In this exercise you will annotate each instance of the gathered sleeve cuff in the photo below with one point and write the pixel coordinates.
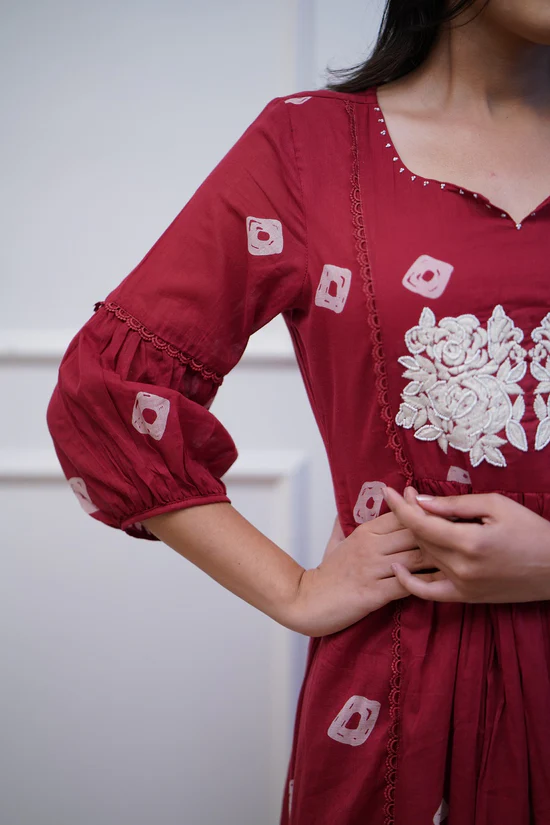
(131, 425)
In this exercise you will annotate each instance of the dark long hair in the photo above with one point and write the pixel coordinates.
(408, 32)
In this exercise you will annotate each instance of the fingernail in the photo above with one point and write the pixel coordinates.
(395, 568)
(385, 490)
(425, 498)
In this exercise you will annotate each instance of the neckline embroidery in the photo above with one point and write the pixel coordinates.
(404, 170)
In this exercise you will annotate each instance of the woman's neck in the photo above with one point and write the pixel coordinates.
(480, 67)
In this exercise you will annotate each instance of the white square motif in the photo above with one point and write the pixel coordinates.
(265, 236)
(333, 288)
(458, 474)
(442, 813)
(428, 277)
(137, 525)
(369, 502)
(367, 710)
(150, 414)
(78, 486)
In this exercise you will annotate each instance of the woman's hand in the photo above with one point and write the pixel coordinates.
(355, 576)
(336, 537)
(501, 555)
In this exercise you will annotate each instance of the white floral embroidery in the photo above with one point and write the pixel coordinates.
(540, 369)
(461, 379)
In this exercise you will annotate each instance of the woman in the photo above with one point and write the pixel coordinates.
(400, 222)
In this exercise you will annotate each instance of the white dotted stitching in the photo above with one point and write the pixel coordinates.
(427, 182)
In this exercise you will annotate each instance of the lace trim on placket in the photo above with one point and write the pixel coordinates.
(393, 734)
(159, 343)
(395, 444)
(368, 289)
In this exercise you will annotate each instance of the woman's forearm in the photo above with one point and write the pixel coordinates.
(219, 540)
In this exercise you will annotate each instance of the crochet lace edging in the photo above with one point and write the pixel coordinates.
(159, 343)
(368, 289)
(393, 735)
(394, 442)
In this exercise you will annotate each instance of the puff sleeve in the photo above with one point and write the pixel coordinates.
(129, 415)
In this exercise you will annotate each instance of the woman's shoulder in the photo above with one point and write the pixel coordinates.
(323, 97)
(308, 112)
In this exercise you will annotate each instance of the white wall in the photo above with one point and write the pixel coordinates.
(134, 689)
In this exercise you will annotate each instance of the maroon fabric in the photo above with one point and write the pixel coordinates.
(418, 312)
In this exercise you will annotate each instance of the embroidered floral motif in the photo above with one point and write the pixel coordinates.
(462, 378)
(540, 369)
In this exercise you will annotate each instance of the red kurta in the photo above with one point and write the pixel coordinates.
(418, 313)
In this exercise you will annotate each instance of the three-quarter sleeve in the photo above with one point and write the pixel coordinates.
(130, 413)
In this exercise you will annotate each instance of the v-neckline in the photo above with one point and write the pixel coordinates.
(444, 184)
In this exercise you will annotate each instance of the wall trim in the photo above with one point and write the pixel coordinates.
(287, 474)
(270, 345)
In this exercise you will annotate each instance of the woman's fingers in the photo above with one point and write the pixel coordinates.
(381, 525)
(392, 588)
(397, 542)
(469, 507)
(411, 559)
(434, 587)
(430, 528)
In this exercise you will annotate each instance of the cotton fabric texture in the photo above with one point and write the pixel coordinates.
(419, 314)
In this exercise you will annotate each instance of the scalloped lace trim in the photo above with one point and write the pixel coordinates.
(160, 343)
(393, 736)
(368, 289)
(395, 444)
